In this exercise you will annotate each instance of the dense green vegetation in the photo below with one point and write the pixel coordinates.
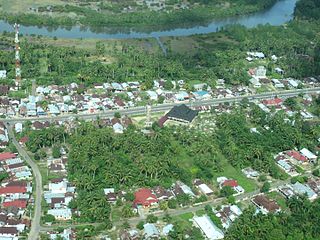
(99, 158)
(218, 55)
(111, 15)
(308, 9)
(301, 223)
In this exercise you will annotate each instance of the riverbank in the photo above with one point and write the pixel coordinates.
(72, 15)
(280, 13)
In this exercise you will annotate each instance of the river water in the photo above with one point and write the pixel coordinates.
(279, 14)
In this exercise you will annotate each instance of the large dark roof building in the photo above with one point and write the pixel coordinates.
(182, 113)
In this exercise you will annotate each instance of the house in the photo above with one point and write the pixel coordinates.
(59, 187)
(250, 173)
(287, 167)
(8, 233)
(302, 189)
(167, 229)
(182, 114)
(309, 155)
(181, 188)
(18, 127)
(16, 203)
(200, 86)
(6, 156)
(296, 157)
(293, 83)
(272, 102)
(224, 182)
(255, 82)
(150, 231)
(204, 188)
(3, 74)
(152, 95)
(208, 228)
(260, 72)
(265, 205)
(65, 235)
(277, 83)
(228, 214)
(118, 128)
(61, 213)
(286, 191)
(12, 190)
(162, 194)
(145, 198)
(181, 96)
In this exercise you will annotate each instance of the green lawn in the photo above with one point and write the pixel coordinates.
(183, 220)
(116, 214)
(279, 198)
(200, 212)
(230, 172)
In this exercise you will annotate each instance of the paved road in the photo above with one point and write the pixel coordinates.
(35, 224)
(166, 107)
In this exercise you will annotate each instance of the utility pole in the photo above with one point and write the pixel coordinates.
(148, 117)
(17, 55)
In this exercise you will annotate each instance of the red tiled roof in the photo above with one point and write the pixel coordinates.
(230, 183)
(24, 139)
(7, 155)
(17, 184)
(296, 155)
(144, 197)
(272, 102)
(16, 203)
(15, 189)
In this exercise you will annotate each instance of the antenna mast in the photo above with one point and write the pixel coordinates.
(17, 55)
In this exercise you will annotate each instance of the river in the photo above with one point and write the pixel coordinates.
(278, 14)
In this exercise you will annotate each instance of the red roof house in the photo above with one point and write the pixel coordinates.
(230, 183)
(297, 156)
(272, 102)
(23, 140)
(145, 198)
(7, 155)
(12, 190)
(15, 203)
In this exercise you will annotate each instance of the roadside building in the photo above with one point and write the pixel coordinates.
(208, 228)
(265, 205)
(182, 114)
(302, 189)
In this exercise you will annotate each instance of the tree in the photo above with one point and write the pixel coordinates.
(117, 115)
(167, 218)
(168, 85)
(56, 152)
(48, 218)
(265, 187)
(163, 206)
(172, 203)
(127, 211)
(226, 191)
(152, 218)
(140, 225)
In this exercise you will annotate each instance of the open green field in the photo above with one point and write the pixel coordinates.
(22, 6)
(147, 44)
(230, 172)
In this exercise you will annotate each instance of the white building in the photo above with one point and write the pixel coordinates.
(3, 74)
(311, 157)
(211, 231)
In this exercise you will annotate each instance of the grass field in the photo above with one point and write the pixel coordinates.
(279, 198)
(22, 6)
(147, 44)
(230, 172)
